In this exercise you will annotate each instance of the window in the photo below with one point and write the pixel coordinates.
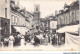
(12, 19)
(73, 16)
(6, 12)
(16, 20)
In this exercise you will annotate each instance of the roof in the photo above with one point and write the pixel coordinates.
(29, 13)
(75, 5)
(16, 11)
(72, 6)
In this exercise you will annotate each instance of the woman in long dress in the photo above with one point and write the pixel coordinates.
(46, 40)
(11, 40)
(22, 41)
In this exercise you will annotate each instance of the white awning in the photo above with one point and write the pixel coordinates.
(72, 40)
(25, 29)
(22, 30)
(72, 28)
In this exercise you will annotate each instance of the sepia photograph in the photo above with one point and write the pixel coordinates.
(39, 25)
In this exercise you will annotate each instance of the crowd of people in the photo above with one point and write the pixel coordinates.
(10, 41)
(36, 39)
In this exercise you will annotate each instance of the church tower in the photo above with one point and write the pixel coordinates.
(36, 16)
(36, 12)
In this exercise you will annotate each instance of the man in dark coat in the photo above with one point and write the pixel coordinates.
(36, 40)
(16, 41)
(53, 40)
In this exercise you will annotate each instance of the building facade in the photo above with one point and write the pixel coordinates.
(5, 17)
(13, 15)
(68, 16)
(5, 9)
(51, 24)
(20, 18)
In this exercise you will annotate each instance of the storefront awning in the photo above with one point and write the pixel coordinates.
(22, 30)
(25, 29)
(73, 28)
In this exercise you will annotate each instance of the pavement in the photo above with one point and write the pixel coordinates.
(30, 47)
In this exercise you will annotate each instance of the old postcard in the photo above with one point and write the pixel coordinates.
(39, 25)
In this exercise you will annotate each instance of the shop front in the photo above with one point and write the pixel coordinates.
(19, 29)
(4, 27)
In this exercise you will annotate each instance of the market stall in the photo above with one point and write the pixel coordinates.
(73, 30)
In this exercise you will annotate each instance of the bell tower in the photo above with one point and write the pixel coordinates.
(36, 12)
(36, 16)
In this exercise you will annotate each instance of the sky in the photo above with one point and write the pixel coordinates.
(47, 7)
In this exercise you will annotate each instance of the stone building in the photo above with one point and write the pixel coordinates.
(14, 16)
(68, 16)
(5, 26)
(36, 19)
(50, 24)
(5, 9)
(5, 18)
(20, 19)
